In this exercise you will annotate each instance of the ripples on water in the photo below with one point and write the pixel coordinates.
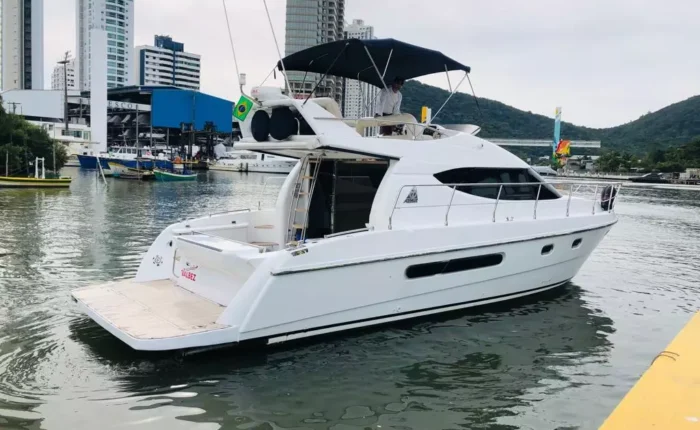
(560, 360)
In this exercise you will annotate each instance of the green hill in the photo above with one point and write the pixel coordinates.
(670, 126)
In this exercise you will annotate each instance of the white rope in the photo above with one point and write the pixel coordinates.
(279, 53)
(230, 38)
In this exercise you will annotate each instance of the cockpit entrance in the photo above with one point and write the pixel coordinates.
(343, 195)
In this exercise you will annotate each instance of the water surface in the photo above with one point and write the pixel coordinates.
(561, 360)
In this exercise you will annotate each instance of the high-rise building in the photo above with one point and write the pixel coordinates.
(116, 18)
(310, 23)
(359, 99)
(167, 63)
(57, 76)
(22, 44)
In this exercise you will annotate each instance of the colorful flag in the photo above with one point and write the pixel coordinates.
(563, 148)
(243, 107)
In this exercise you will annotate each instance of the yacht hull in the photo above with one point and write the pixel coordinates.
(283, 301)
(259, 167)
(90, 162)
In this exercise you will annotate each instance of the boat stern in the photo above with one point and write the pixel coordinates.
(156, 315)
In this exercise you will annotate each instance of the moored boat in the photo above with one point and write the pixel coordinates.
(367, 229)
(123, 172)
(15, 182)
(38, 181)
(165, 176)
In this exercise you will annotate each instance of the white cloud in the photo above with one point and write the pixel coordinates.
(605, 62)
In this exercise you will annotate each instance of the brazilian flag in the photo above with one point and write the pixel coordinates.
(243, 107)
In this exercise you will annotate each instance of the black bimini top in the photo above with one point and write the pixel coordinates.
(349, 59)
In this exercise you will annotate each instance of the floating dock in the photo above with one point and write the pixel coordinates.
(667, 396)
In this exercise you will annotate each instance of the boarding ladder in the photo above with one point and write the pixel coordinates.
(303, 190)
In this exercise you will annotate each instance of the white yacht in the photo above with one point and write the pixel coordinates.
(365, 230)
(249, 161)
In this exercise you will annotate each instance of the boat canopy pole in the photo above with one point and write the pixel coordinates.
(450, 96)
(387, 63)
(364, 107)
(325, 74)
(377, 68)
(306, 73)
(448, 77)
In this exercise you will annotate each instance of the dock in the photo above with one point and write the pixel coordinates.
(667, 396)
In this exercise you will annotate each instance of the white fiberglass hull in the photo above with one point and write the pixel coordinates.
(290, 294)
(283, 167)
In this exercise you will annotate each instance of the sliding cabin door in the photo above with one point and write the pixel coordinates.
(343, 196)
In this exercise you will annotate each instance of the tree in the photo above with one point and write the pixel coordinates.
(21, 142)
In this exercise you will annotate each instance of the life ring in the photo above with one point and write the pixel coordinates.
(607, 197)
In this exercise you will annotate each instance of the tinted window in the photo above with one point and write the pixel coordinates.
(453, 266)
(478, 175)
(547, 249)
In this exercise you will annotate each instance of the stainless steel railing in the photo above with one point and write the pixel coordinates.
(268, 180)
(573, 188)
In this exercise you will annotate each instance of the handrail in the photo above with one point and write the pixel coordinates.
(260, 248)
(380, 121)
(231, 211)
(342, 233)
(262, 192)
(573, 187)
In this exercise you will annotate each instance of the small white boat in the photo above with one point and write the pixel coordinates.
(366, 230)
(545, 171)
(249, 161)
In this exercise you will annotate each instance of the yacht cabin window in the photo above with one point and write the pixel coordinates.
(497, 176)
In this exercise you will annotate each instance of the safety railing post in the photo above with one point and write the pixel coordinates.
(495, 206)
(534, 215)
(595, 199)
(447, 213)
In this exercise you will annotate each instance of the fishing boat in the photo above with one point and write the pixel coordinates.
(367, 229)
(165, 176)
(123, 172)
(128, 156)
(38, 181)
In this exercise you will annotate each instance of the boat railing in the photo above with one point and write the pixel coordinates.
(268, 180)
(411, 133)
(568, 190)
(230, 211)
(260, 248)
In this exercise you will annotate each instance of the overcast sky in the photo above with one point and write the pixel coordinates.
(605, 62)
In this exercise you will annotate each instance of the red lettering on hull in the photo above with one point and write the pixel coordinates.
(189, 275)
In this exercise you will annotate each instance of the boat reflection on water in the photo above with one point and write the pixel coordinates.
(459, 365)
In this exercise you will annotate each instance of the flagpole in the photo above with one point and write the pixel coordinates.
(557, 131)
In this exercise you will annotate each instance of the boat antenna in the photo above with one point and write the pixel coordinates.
(230, 38)
(279, 53)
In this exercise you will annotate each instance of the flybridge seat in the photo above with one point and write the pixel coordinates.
(413, 129)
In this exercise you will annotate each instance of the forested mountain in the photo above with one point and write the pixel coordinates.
(673, 125)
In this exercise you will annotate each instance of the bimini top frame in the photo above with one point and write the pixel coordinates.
(362, 60)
